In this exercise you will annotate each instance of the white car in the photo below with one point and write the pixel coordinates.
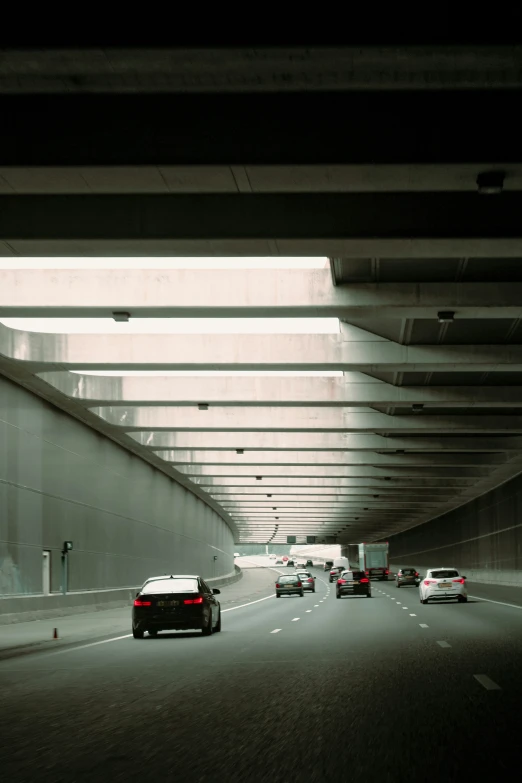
(301, 564)
(443, 584)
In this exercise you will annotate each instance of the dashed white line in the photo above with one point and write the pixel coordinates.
(405, 607)
(423, 625)
(487, 682)
(295, 619)
(308, 610)
(413, 615)
(316, 606)
(443, 644)
(398, 602)
(276, 630)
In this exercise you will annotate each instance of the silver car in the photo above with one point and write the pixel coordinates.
(307, 580)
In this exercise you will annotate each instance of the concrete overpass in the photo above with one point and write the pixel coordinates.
(414, 207)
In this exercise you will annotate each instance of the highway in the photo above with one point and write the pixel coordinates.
(295, 689)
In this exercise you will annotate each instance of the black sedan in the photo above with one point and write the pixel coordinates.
(176, 603)
(353, 583)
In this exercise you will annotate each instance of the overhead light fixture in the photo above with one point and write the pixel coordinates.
(446, 317)
(277, 517)
(240, 451)
(399, 451)
(259, 478)
(269, 496)
(274, 508)
(203, 406)
(365, 509)
(417, 407)
(387, 478)
(376, 496)
(121, 315)
(490, 182)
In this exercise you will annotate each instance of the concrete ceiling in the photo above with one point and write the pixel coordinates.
(426, 416)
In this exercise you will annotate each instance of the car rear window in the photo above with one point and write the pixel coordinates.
(408, 571)
(287, 579)
(353, 574)
(171, 586)
(447, 574)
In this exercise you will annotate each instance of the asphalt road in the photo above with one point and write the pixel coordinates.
(296, 689)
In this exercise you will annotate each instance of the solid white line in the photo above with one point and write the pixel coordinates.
(413, 615)
(276, 630)
(295, 619)
(423, 625)
(232, 608)
(487, 682)
(443, 644)
(92, 644)
(501, 603)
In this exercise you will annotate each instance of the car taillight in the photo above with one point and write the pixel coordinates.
(460, 581)
(416, 573)
(142, 603)
(341, 581)
(299, 584)
(386, 571)
(198, 600)
(430, 582)
(310, 580)
(278, 585)
(364, 581)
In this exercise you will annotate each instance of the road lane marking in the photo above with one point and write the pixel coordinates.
(489, 601)
(443, 644)
(405, 607)
(413, 615)
(423, 625)
(308, 610)
(487, 682)
(276, 630)
(295, 619)
(92, 644)
(232, 608)
(316, 606)
(398, 602)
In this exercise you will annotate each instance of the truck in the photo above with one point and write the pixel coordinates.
(373, 559)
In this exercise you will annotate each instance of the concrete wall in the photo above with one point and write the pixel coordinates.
(60, 480)
(483, 538)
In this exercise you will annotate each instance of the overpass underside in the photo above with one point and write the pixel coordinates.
(406, 408)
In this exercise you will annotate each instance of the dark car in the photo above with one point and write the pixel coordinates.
(309, 563)
(290, 563)
(307, 579)
(334, 573)
(328, 564)
(353, 583)
(288, 585)
(407, 576)
(176, 603)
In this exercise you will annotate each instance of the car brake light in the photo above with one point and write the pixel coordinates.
(430, 582)
(142, 603)
(299, 584)
(341, 581)
(364, 581)
(416, 573)
(386, 571)
(460, 581)
(278, 585)
(310, 580)
(198, 600)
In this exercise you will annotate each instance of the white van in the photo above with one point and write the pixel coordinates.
(341, 562)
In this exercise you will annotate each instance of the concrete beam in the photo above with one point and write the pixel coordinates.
(302, 419)
(324, 494)
(376, 483)
(257, 391)
(327, 459)
(247, 293)
(44, 352)
(321, 441)
(433, 126)
(270, 471)
(323, 499)
(261, 70)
